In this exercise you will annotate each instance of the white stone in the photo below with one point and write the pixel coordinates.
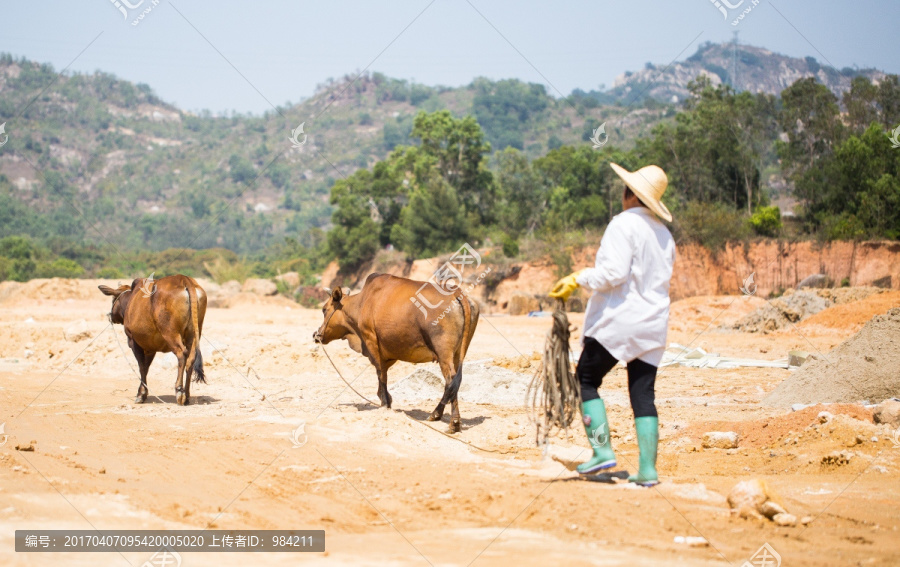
(720, 440)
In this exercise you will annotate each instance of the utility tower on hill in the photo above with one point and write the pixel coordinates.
(734, 76)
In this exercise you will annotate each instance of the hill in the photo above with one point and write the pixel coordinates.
(97, 160)
(743, 67)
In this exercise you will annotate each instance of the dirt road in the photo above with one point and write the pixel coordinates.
(390, 491)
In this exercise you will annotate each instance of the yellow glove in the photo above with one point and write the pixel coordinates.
(565, 287)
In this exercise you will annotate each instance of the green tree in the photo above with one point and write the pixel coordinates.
(242, 170)
(454, 149)
(717, 147)
(810, 119)
(508, 109)
(522, 196)
(432, 222)
(577, 186)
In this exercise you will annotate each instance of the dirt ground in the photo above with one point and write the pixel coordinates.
(390, 491)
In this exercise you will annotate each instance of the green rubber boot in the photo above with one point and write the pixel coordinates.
(597, 428)
(648, 438)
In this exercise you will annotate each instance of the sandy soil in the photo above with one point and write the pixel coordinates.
(390, 491)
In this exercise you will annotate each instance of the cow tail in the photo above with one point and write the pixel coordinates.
(450, 393)
(467, 326)
(195, 357)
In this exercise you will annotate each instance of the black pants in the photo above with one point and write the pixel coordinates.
(595, 362)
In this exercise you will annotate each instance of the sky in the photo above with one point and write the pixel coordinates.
(247, 57)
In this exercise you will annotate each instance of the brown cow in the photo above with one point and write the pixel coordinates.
(165, 315)
(384, 323)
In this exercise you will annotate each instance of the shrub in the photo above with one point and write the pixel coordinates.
(59, 268)
(710, 224)
(766, 221)
(510, 247)
(110, 273)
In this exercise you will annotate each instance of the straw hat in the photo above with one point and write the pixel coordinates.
(648, 184)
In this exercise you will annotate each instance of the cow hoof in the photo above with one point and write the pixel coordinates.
(434, 417)
(454, 427)
(181, 400)
(139, 399)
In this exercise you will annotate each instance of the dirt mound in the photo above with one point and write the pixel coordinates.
(523, 363)
(769, 431)
(854, 314)
(53, 289)
(481, 384)
(864, 367)
(842, 295)
(781, 312)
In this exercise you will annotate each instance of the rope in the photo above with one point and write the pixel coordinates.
(410, 418)
(345, 381)
(554, 396)
(116, 337)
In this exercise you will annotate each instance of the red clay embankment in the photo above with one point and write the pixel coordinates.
(776, 266)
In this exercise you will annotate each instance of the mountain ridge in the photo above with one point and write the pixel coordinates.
(145, 170)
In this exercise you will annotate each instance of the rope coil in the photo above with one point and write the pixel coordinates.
(554, 396)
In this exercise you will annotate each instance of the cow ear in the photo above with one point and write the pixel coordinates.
(108, 290)
(336, 294)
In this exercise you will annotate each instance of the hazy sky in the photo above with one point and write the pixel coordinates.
(229, 55)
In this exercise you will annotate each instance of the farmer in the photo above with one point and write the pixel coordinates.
(627, 316)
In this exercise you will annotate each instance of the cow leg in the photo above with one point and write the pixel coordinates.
(383, 393)
(454, 416)
(180, 352)
(188, 373)
(452, 378)
(144, 359)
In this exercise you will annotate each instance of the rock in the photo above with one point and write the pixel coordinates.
(77, 331)
(291, 279)
(259, 286)
(720, 440)
(748, 496)
(692, 541)
(231, 287)
(771, 509)
(749, 513)
(837, 458)
(522, 304)
(816, 281)
(786, 520)
(752, 493)
(806, 520)
(825, 416)
(888, 412)
(29, 447)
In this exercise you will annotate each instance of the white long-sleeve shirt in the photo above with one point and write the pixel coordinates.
(628, 312)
